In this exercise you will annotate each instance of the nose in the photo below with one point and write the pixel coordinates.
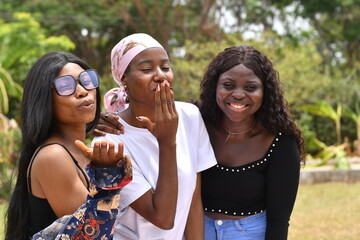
(160, 75)
(238, 93)
(80, 91)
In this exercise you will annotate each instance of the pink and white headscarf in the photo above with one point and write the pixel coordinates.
(114, 100)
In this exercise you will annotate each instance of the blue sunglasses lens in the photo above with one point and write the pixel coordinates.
(89, 79)
(66, 85)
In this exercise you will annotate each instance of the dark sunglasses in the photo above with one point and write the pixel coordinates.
(66, 85)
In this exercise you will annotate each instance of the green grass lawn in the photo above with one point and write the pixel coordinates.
(329, 211)
(3, 207)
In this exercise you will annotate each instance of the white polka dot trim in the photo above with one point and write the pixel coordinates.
(253, 165)
(247, 213)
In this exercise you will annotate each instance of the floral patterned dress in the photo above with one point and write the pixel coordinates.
(95, 219)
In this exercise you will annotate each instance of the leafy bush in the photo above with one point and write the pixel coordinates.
(10, 138)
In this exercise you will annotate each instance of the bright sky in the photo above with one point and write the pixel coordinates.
(299, 24)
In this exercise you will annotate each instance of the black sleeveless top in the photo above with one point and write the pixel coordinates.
(41, 213)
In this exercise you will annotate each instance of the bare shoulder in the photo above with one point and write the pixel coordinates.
(53, 170)
(52, 157)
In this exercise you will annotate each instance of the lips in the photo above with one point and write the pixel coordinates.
(87, 104)
(237, 105)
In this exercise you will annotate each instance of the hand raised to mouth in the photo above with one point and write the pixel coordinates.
(165, 125)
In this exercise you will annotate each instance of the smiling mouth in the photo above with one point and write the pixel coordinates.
(237, 106)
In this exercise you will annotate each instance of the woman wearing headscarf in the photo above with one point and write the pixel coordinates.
(166, 140)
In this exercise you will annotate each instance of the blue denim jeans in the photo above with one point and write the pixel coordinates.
(249, 228)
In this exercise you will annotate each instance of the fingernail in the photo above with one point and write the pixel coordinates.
(139, 118)
(167, 83)
(171, 90)
(158, 88)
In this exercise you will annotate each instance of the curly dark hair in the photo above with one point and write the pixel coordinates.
(273, 114)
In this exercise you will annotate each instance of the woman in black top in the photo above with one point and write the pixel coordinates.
(60, 105)
(251, 192)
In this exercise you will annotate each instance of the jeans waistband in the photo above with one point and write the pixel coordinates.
(245, 220)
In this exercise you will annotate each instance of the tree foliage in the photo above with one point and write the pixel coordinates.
(337, 23)
(96, 26)
(190, 67)
(320, 59)
(22, 42)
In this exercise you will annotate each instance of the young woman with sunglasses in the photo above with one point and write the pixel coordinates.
(60, 105)
(167, 142)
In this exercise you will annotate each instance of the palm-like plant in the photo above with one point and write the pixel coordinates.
(355, 116)
(7, 88)
(336, 152)
(324, 109)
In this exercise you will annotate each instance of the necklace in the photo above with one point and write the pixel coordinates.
(239, 133)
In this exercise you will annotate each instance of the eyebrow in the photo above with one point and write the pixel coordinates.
(232, 80)
(253, 81)
(150, 61)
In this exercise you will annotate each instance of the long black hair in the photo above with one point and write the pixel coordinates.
(274, 113)
(36, 127)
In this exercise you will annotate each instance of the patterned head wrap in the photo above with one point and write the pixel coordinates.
(121, 56)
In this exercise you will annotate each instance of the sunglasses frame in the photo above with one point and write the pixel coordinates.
(77, 79)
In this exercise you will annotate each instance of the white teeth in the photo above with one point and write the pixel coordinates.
(237, 106)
